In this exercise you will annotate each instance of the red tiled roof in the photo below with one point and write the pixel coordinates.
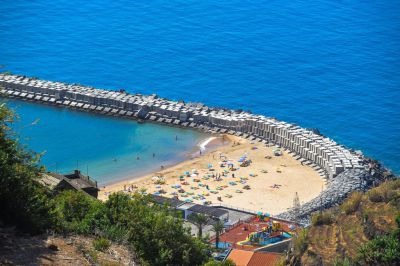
(250, 258)
(240, 257)
(263, 259)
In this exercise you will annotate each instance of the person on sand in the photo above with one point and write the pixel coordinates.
(233, 175)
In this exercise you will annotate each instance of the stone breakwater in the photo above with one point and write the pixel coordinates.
(337, 190)
(342, 167)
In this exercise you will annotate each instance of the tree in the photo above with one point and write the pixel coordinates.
(75, 211)
(227, 262)
(218, 228)
(157, 237)
(24, 202)
(199, 220)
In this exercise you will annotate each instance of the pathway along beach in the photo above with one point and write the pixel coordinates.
(272, 180)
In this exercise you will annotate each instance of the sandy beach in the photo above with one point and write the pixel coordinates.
(261, 181)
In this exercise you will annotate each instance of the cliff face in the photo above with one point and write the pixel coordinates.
(16, 249)
(338, 234)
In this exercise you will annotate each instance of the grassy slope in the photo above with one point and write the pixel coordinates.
(348, 231)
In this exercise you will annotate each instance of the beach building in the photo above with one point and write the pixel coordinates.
(171, 202)
(189, 208)
(212, 212)
(75, 181)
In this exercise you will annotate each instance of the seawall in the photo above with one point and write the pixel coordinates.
(335, 162)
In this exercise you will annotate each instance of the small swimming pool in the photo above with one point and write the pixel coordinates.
(224, 245)
(273, 240)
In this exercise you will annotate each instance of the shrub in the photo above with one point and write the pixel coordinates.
(322, 218)
(375, 195)
(382, 250)
(385, 192)
(24, 202)
(227, 262)
(75, 211)
(300, 242)
(101, 244)
(342, 262)
(394, 184)
(352, 203)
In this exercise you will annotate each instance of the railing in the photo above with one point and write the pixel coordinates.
(250, 212)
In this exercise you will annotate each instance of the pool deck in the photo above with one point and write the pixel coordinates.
(238, 233)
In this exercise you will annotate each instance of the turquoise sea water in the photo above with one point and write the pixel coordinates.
(106, 148)
(331, 65)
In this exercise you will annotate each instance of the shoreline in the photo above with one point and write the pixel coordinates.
(299, 144)
(273, 182)
(210, 143)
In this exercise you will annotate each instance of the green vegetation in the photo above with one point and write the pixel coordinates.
(228, 262)
(300, 242)
(154, 233)
(23, 201)
(385, 192)
(363, 230)
(217, 228)
(199, 220)
(342, 262)
(101, 244)
(352, 203)
(382, 250)
(322, 218)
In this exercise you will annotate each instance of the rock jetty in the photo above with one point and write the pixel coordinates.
(344, 170)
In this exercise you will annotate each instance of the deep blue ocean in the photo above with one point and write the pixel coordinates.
(331, 65)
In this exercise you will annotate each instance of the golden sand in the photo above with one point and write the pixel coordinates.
(273, 180)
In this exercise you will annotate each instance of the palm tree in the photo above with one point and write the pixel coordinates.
(199, 220)
(218, 228)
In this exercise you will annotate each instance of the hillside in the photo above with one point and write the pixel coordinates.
(361, 231)
(18, 249)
